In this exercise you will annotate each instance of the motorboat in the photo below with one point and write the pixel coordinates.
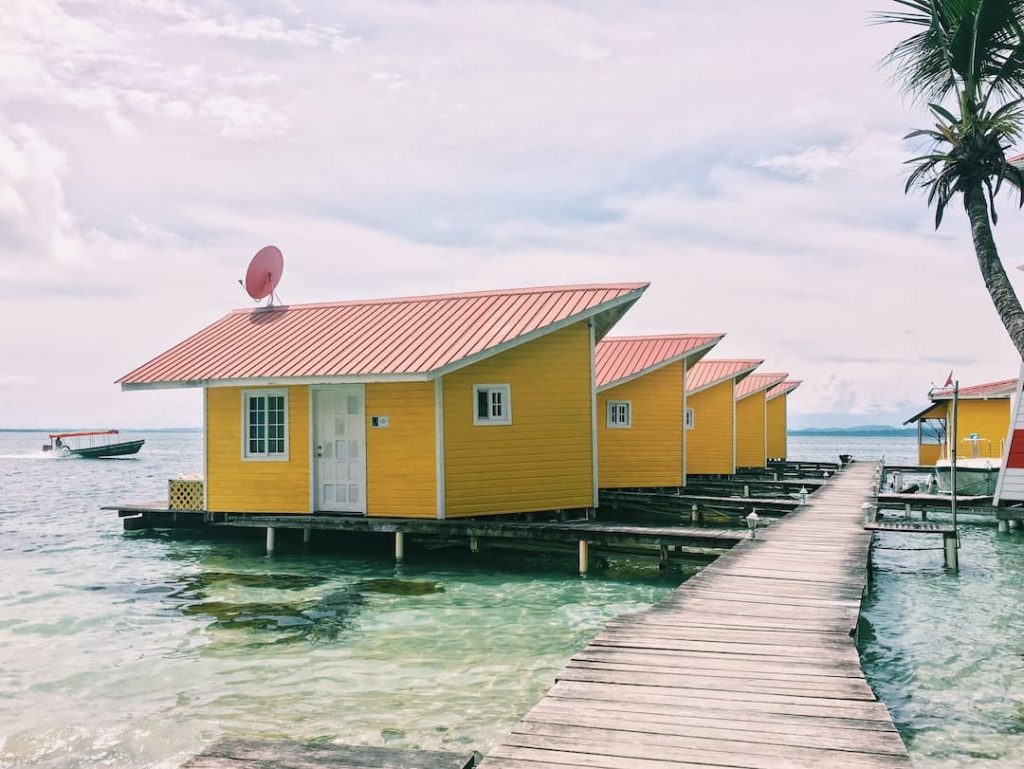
(91, 444)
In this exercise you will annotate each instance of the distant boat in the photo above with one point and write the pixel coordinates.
(74, 444)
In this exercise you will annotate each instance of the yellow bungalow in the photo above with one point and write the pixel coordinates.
(776, 405)
(641, 407)
(983, 422)
(711, 415)
(752, 419)
(432, 407)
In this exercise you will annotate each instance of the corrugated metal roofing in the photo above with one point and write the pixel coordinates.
(414, 337)
(1004, 388)
(783, 388)
(755, 383)
(708, 373)
(618, 359)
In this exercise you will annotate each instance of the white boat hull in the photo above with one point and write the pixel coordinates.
(974, 477)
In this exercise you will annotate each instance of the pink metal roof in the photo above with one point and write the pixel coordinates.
(411, 336)
(1004, 388)
(620, 358)
(783, 388)
(755, 383)
(708, 373)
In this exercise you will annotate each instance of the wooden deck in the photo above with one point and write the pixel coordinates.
(751, 664)
(236, 753)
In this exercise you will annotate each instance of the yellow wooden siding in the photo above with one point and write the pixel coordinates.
(776, 413)
(650, 451)
(401, 477)
(750, 431)
(990, 419)
(928, 454)
(709, 445)
(255, 486)
(544, 459)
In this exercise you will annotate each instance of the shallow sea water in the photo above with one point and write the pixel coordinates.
(944, 651)
(138, 649)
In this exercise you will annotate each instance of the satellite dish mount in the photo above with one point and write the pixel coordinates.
(264, 274)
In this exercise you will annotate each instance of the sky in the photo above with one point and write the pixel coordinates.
(744, 157)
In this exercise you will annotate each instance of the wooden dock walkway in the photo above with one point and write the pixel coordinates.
(751, 664)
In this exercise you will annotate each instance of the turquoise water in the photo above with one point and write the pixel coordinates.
(137, 649)
(945, 651)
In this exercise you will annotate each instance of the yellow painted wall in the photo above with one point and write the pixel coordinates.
(544, 459)
(990, 419)
(750, 431)
(255, 486)
(401, 479)
(776, 411)
(709, 445)
(650, 451)
(928, 454)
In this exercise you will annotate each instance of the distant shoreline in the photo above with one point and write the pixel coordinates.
(856, 432)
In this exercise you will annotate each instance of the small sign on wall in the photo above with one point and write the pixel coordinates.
(379, 421)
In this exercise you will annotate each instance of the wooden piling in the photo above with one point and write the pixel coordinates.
(584, 556)
(270, 540)
(399, 546)
(950, 545)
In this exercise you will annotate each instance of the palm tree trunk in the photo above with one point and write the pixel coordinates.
(996, 281)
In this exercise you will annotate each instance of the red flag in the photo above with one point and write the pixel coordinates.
(949, 379)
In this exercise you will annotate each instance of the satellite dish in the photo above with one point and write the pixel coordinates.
(264, 273)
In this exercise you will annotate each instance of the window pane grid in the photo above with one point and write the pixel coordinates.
(266, 425)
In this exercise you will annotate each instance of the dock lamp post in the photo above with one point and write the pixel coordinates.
(803, 495)
(752, 520)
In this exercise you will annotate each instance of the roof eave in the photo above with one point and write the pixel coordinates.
(736, 378)
(277, 381)
(690, 356)
(606, 314)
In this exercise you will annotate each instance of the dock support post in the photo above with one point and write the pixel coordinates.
(399, 546)
(584, 556)
(1003, 526)
(270, 540)
(746, 490)
(663, 557)
(694, 514)
(474, 545)
(307, 536)
(952, 557)
(1014, 525)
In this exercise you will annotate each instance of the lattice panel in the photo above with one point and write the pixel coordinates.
(185, 494)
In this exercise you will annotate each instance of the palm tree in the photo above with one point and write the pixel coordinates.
(968, 55)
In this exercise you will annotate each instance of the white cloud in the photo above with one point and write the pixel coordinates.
(751, 171)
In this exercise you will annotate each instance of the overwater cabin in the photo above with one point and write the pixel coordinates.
(641, 408)
(711, 415)
(752, 419)
(443, 406)
(983, 422)
(777, 414)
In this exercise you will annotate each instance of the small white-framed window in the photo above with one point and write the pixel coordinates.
(492, 404)
(688, 419)
(620, 413)
(265, 424)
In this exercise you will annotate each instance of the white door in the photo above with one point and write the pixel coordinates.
(340, 448)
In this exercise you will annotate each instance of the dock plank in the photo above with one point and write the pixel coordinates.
(749, 665)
